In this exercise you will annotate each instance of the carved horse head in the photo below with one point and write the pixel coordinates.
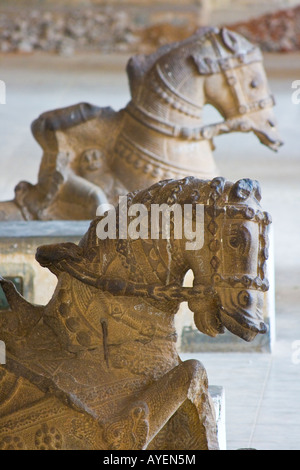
(216, 67)
(229, 269)
(233, 260)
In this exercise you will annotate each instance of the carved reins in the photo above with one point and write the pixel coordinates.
(123, 288)
(207, 132)
(170, 293)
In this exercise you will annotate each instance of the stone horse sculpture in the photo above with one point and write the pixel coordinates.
(97, 368)
(94, 154)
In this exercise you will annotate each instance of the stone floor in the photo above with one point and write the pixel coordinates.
(262, 391)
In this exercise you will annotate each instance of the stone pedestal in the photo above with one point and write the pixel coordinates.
(18, 244)
(217, 394)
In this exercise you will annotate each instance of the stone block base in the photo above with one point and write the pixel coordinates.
(18, 244)
(217, 394)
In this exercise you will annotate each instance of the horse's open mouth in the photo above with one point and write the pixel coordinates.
(266, 139)
(242, 326)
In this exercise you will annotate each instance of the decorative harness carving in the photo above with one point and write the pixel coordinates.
(244, 212)
(263, 220)
(228, 65)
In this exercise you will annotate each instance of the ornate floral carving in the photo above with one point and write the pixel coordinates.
(48, 438)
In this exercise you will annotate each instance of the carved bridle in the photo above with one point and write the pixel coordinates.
(240, 213)
(207, 66)
(228, 65)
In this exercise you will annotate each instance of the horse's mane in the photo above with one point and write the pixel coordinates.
(218, 192)
(191, 190)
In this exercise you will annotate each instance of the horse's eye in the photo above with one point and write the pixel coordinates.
(234, 242)
(239, 238)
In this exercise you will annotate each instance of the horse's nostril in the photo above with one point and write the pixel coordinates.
(271, 123)
(254, 84)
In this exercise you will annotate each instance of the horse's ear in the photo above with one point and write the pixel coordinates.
(135, 71)
(231, 40)
(257, 191)
(217, 186)
(235, 42)
(244, 189)
(205, 65)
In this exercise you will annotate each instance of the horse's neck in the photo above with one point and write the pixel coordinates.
(150, 262)
(161, 136)
(165, 115)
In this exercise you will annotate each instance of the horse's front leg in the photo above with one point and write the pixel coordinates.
(151, 410)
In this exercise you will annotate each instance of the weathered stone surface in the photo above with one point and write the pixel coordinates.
(97, 368)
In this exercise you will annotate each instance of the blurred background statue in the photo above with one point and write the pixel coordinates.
(92, 155)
